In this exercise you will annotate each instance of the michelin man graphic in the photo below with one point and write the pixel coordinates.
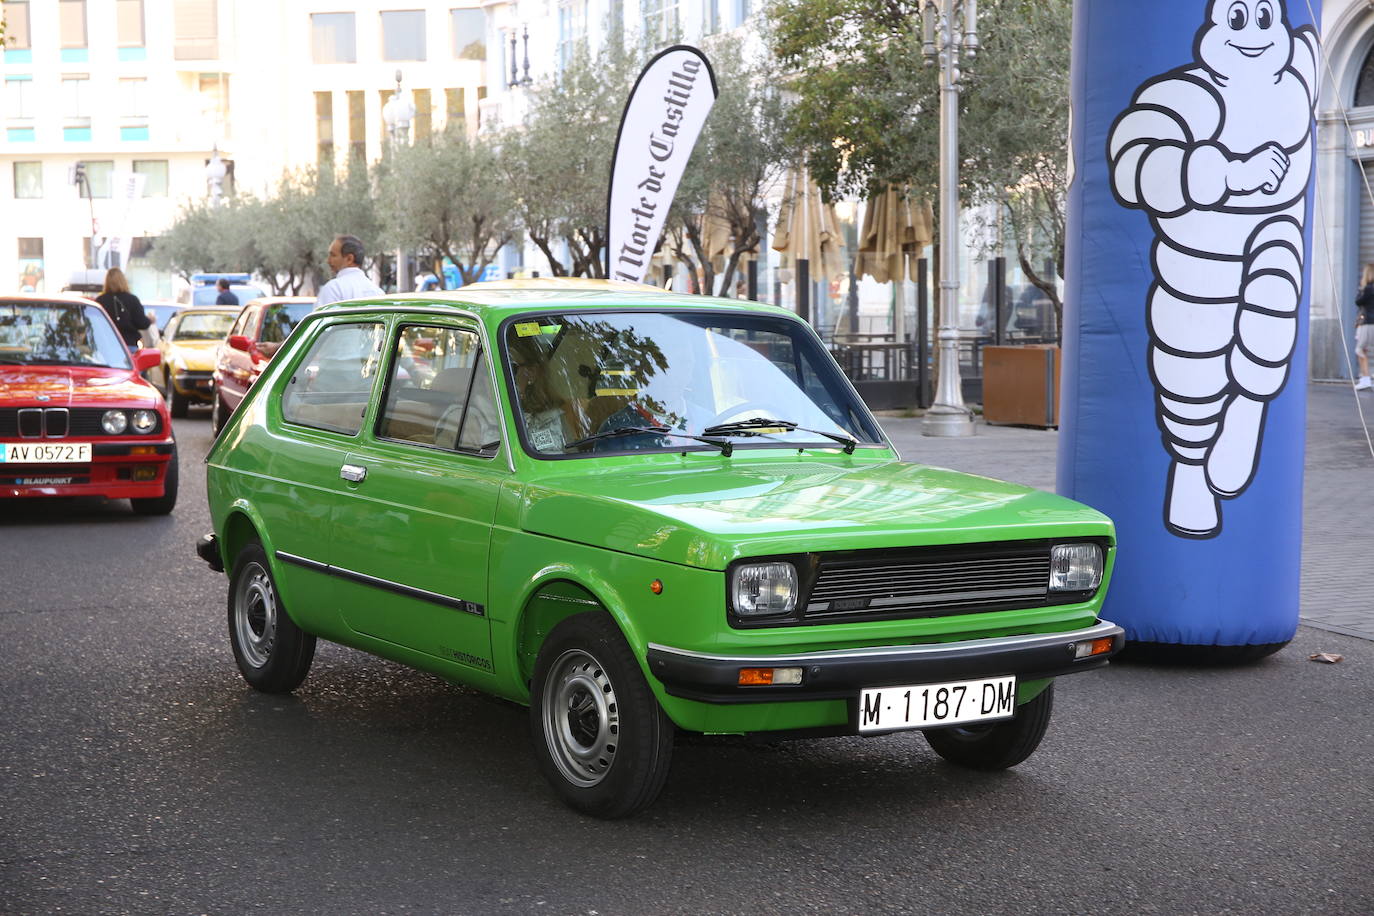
(1218, 153)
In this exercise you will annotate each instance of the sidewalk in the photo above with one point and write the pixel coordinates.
(1338, 493)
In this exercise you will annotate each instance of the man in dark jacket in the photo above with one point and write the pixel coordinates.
(225, 297)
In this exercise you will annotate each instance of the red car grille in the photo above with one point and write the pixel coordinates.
(55, 422)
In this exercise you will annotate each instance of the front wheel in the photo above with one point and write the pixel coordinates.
(997, 746)
(601, 738)
(219, 414)
(272, 653)
(177, 402)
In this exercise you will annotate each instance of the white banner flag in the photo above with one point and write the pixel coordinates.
(662, 121)
(127, 187)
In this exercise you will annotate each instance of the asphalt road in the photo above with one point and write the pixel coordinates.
(139, 774)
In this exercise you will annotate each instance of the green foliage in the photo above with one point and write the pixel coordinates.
(283, 239)
(868, 106)
(447, 199)
(558, 161)
(740, 158)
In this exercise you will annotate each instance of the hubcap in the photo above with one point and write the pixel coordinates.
(255, 615)
(581, 718)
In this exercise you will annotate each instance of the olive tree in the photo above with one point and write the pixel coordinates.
(558, 160)
(448, 199)
(739, 159)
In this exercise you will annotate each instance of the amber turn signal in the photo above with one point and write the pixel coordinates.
(1092, 647)
(656, 586)
(769, 677)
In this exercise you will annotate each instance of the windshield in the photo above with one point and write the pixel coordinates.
(204, 326)
(588, 383)
(59, 333)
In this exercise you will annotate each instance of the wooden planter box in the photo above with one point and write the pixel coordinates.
(1021, 385)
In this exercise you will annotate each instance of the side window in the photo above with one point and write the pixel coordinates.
(440, 392)
(332, 385)
(276, 324)
(241, 322)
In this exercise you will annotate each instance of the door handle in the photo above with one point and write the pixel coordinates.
(353, 473)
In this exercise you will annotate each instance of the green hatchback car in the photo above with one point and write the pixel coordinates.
(639, 512)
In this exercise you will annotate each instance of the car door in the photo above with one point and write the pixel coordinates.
(414, 528)
(315, 414)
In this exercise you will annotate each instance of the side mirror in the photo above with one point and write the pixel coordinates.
(146, 359)
(240, 342)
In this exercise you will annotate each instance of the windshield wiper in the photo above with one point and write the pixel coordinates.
(725, 447)
(757, 426)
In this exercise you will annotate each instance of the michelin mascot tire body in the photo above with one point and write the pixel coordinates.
(1185, 351)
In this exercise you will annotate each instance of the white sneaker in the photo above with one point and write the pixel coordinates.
(1363, 383)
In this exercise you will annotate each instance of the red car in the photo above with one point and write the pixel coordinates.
(260, 329)
(76, 419)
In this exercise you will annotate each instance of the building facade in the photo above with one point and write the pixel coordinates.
(1343, 235)
(157, 88)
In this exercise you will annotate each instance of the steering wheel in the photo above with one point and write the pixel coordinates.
(737, 412)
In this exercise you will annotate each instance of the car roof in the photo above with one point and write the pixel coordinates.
(40, 298)
(211, 310)
(497, 299)
(277, 300)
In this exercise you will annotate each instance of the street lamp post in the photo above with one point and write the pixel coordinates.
(215, 170)
(398, 112)
(944, 40)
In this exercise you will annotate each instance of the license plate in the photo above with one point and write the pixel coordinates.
(885, 709)
(46, 453)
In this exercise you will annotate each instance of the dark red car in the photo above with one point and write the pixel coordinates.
(262, 327)
(76, 419)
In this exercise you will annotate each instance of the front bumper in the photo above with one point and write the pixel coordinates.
(198, 386)
(114, 472)
(841, 673)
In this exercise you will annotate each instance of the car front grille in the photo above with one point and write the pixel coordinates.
(907, 583)
(935, 586)
(56, 423)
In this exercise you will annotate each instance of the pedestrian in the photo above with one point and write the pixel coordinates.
(123, 308)
(345, 258)
(225, 297)
(1364, 325)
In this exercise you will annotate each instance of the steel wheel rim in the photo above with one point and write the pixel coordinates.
(255, 615)
(581, 718)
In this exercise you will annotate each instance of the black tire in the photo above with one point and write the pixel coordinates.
(272, 653)
(997, 746)
(601, 739)
(161, 505)
(177, 402)
(219, 414)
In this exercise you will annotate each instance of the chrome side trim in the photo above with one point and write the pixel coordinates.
(410, 591)
(925, 650)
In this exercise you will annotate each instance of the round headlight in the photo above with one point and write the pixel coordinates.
(1075, 567)
(114, 422)
(764, 588)
(145, 421)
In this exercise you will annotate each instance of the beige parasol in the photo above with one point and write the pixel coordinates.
(896, 228)
(808, 230)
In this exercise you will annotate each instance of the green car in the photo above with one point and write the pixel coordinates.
(638, 512)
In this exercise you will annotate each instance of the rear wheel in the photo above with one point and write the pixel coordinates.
(161, 505)
(601, 738)
(273, 654)
(177, 402)
(1000, 745)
